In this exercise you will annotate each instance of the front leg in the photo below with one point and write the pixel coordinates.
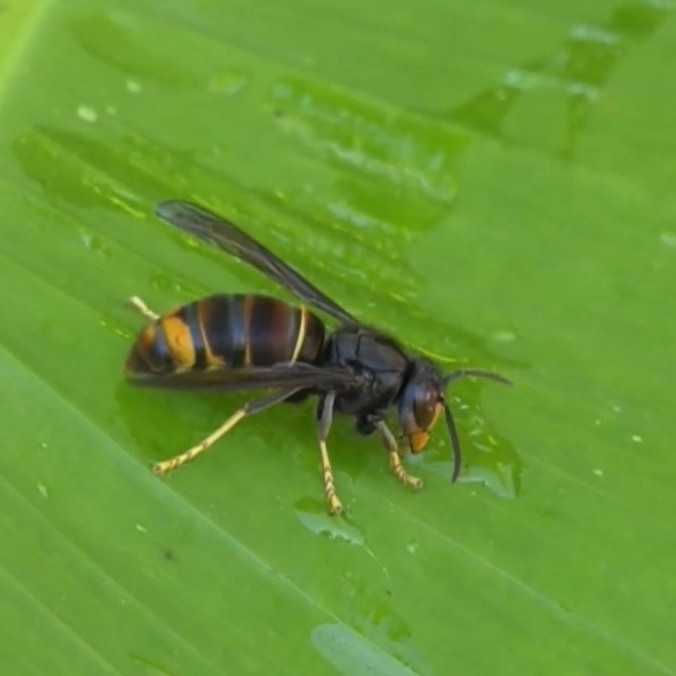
(395, 460)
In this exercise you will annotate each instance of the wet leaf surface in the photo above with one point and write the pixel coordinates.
(493, 184)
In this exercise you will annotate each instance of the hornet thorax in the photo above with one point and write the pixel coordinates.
(382, 363)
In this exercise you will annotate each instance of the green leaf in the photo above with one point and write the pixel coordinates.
(493, 184)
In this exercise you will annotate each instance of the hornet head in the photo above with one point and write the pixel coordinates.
(423, 399)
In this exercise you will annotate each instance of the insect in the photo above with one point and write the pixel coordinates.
(254, 342)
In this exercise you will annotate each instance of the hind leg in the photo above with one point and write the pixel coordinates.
(139, 305)
(251, 408)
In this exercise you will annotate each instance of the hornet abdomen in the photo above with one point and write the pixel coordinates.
(228, 332)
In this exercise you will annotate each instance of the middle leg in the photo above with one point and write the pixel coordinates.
(325, 420)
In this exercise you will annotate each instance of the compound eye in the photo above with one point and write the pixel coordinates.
(420, 410)
(426, 407)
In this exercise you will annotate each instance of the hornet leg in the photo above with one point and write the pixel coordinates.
(395, 460)
(325, 420)
(139, 305)
(250, 408)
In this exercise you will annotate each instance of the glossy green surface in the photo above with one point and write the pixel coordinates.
(494, 184)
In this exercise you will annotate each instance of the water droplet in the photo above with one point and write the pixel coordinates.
(504, 336)
(161, 282)
(87, 113)
(412, 547)
(637, 438)
(94, 243)
(134, 87)
(123, 334)
(668, 239)
(312, 514)
(42, 489)
(590, 33)
(598, 472)
(227, 82)
(517, 78)
(350, 652)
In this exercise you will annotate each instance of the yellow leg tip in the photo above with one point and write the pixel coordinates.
(335, 506)
(160, 469)
(137, 304)
(415, 483)
(403, 476)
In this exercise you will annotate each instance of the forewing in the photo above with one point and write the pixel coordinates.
(216, 230)
(282, 376)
